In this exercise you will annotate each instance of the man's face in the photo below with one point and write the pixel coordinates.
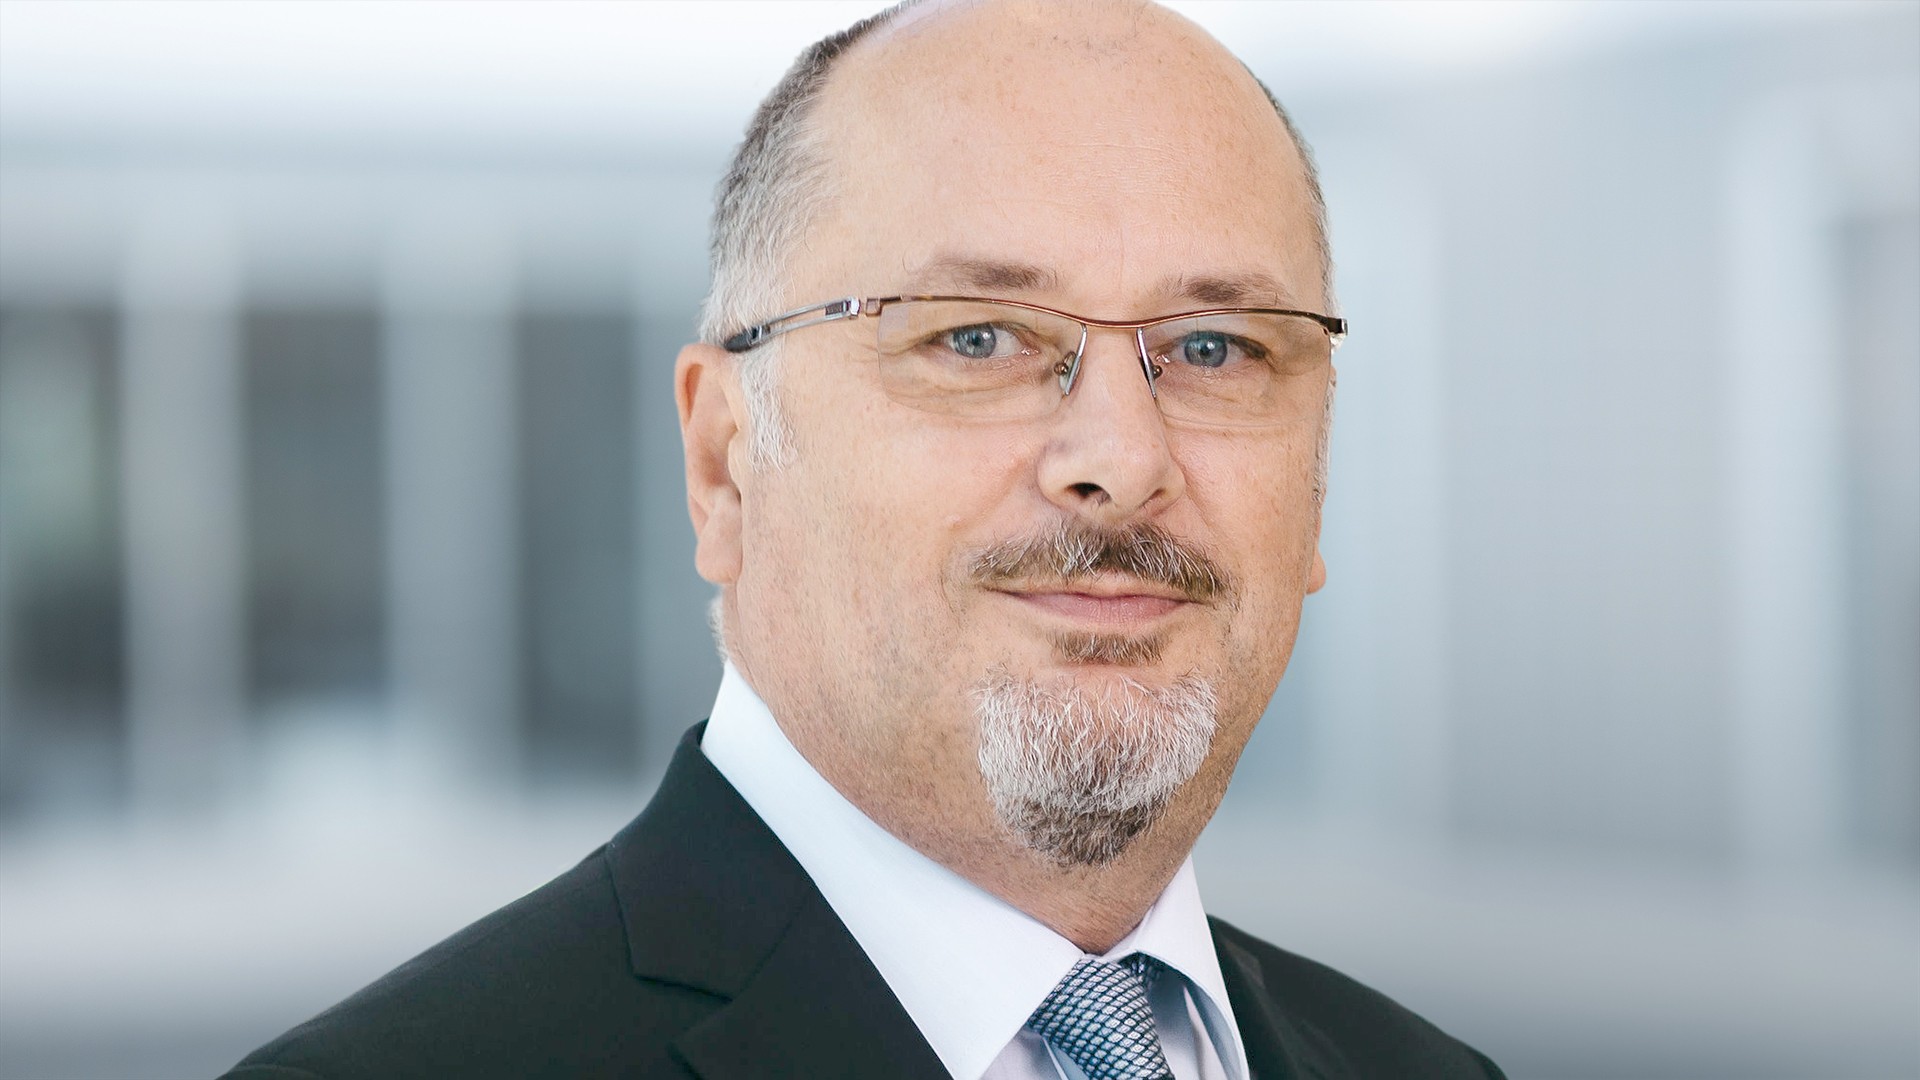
(1122, 171)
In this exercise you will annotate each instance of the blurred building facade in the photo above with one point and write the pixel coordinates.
(321, 465)
(365, 446)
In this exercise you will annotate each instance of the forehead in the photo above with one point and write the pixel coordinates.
(1111, 151)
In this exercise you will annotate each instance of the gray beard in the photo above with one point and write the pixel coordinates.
(1078, 774)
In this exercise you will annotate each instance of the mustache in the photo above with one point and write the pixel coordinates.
(1076, 549)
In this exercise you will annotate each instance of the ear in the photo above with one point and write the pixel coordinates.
(1317, 577)
(710, 421)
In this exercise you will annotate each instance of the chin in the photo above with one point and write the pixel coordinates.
(1078, 768)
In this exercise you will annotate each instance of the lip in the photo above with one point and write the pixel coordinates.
(1119, 607)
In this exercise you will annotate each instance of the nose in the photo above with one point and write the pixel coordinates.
(1107, 456)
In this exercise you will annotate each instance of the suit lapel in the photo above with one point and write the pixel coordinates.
(713, 901)
(1276, 1048)
(783, 1024)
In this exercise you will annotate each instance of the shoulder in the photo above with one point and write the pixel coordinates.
(1342, 1025)
(541, 987)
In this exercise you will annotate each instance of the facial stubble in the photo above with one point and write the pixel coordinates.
(1078, 772)
(1079, 767)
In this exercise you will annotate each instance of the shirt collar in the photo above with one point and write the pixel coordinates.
(968, 967)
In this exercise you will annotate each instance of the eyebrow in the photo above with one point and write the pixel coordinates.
(968, 272)
(1251, 289)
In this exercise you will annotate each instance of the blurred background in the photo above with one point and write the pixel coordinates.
(346, 588)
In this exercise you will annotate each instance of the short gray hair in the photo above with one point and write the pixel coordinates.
(773, 189)
(770, 195)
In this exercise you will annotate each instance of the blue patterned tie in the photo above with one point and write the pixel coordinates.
(1100, 1018)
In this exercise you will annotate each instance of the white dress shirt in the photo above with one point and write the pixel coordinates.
(968, 967)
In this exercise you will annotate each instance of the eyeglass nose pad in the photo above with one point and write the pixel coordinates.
(1068, 367)
(1147, 365)
(1068, 370)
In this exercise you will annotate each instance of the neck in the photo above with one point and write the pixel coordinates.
(943, 811)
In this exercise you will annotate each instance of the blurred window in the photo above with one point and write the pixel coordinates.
(314, 511)
(62, 676)
(577, 492)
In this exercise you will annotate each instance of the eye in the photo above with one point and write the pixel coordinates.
(983, 341)
(974, 342)
(1207, 350)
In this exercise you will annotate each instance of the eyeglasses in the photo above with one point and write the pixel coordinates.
(1005, 360)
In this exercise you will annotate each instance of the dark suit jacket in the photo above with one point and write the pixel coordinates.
(693, 945)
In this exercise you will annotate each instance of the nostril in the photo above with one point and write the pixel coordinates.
(1087, 491)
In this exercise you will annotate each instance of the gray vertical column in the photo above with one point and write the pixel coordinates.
(1377, 684)
(11, 445)
(452, 545)
(8, 707)
(180, 439)
(1786, 541)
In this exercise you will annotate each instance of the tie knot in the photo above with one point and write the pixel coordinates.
(1100, 1018)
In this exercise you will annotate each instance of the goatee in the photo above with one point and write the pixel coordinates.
(1078, 773)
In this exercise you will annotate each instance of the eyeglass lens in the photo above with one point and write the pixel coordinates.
(995, 361)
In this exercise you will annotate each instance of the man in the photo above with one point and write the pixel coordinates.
(1003, 591)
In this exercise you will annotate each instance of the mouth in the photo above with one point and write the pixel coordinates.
(1102, 606)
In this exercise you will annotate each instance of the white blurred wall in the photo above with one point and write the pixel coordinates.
(345, 589)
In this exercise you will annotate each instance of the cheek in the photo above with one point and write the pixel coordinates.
(1255, 505)
(948, 472)
(943, 492)
(1259, 517)
(898, 508)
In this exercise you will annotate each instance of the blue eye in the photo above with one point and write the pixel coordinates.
(1206, 349)
(974, 342)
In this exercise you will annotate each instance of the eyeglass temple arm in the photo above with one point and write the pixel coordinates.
(796, 319)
